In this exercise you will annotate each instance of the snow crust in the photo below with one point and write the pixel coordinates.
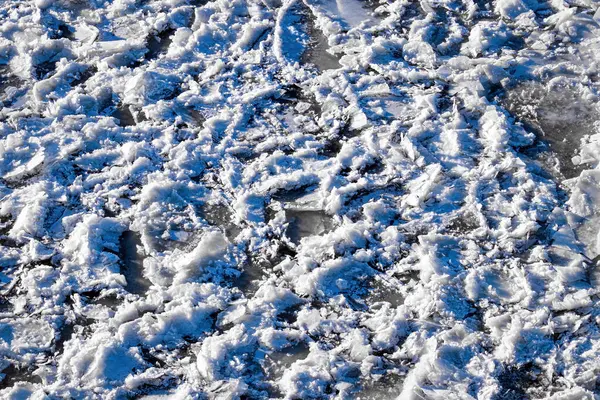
(299, 199)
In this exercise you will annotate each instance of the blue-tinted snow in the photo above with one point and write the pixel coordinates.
(299, 199)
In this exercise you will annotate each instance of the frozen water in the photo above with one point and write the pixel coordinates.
(383, 291)
(252, 273)
(564, 120)
(45, 69)
(320, 199)
(158, 44)
(388, 386)
(277, 362)
(82, 77)
(130, 248)
(561, 118)
(123, 114)
(317, 52)
(219, 215)
(301, 40)
(306, 223)
(8, 86)
(4, 78)
(13, 375)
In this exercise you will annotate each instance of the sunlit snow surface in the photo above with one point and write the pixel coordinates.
(318, 199)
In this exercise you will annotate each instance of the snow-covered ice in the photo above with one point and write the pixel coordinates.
(299, 199)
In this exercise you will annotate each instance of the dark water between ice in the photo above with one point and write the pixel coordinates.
(133, 263)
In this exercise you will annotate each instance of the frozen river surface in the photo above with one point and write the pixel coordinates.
(299, 199)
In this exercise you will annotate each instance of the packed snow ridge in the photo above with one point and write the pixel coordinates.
(299, 199)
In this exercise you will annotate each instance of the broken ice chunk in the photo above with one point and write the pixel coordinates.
(212, 247)
(86, 33)
(353, 12)
(149, 87)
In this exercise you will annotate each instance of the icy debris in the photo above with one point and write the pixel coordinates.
(334, 199)
(86, 33)
(584, 202)
(352, 12)
(342, 276)
(212, 247)
(511, 8)
(25, 334)
(109, 364)
(149, 87)
(309, 376)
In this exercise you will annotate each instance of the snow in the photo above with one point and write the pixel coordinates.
(327, 199)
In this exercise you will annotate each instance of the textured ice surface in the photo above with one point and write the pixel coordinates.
(562, 117)
(300, 199)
